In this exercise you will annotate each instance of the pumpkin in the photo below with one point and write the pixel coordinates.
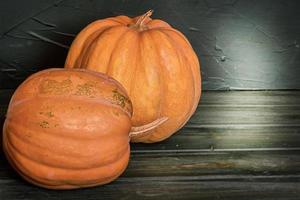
(69, 128)
(153, 61)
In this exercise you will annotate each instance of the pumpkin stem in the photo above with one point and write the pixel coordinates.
(142, 130)
(142, 18)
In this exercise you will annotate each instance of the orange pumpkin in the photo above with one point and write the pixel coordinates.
(153, 61)
(69, 129)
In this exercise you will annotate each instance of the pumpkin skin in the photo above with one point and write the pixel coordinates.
(68, 129)
(153, 61)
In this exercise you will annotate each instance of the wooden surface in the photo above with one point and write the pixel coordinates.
(238, 145)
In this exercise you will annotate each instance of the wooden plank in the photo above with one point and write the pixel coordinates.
(237, 145)
(246, 115)
(199, 163)
(228, 138)
(188, 175)
(266, 98)
(241, 188)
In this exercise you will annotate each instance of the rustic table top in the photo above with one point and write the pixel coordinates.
(238, 145)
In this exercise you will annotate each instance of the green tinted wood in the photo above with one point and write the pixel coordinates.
(191, 187)
(238, 145)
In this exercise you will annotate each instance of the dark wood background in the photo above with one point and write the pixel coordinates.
(242, 44)
(238, 145)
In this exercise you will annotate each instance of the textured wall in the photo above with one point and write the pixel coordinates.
(242, 44)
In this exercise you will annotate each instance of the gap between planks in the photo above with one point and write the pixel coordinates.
(214, 150)
(210, 177)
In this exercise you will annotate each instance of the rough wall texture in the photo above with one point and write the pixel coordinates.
(242, 44)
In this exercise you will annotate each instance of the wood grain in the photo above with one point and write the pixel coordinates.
(262, 187)
(238, 145)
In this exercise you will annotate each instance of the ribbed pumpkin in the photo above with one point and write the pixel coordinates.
(68, 129)
(153, 61)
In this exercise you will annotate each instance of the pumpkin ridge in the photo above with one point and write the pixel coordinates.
(157, 137)
(17, 162)
(113, 50)
(195, 61)
(73, 137)
(115, 19)
(64, 186)
(40, 146)
(162, 88)
(186, 67)
(102, 101)
(125, 19)
(175, 31)
(14, 165)
(85, 48)
(84, 34)
(107, 78)
(31, 77)
(161, 80)
(16, 104)
(137, 55)
(12, 148)
(40, 181)
(75, 71)
(85, 56)
(151, 24)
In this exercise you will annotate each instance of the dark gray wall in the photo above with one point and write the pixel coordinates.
(242, 44)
